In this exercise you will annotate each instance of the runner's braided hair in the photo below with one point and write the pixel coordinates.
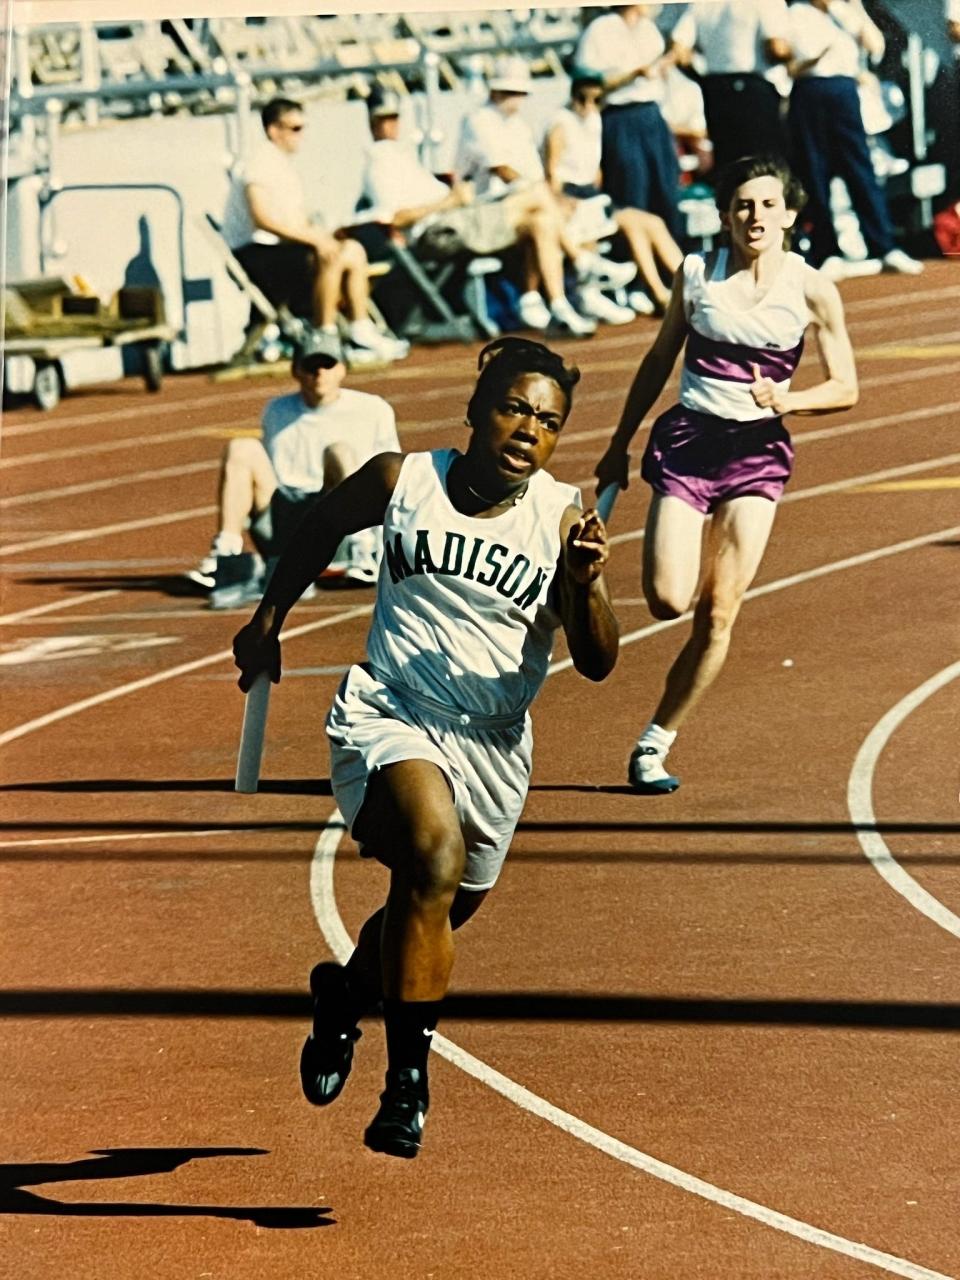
(504, 360)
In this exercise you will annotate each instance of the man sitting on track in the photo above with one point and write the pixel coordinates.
(311, 440)
(486, 555)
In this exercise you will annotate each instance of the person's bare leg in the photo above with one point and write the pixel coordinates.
(737, 538)
(356, 281)
(630, 222)
(339, 461)
(247, 483)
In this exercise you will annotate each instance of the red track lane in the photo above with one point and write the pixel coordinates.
(718, 979)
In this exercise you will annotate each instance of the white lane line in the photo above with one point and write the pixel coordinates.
(638, 342)
(860, 804)
(338, 940)
(110, 482)
(125, 526)
(792, 580)
(183, 668)
(135, 835)
(8, 619)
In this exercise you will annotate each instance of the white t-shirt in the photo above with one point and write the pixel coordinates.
(296, 436)
(489, 139)
(394, 178)
(610, 46)
(582, 145)
(731, 33)
(266, 167)
(834, 34)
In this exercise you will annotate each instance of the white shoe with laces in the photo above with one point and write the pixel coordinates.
(365, 334)
(897, 260)
(641, 302)
(563, 319)
(837, 269)
(595, 303)
(532, 311)
(646, 773)
(591, 266)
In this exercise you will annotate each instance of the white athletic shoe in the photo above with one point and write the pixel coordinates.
(641, 302)
(837, 269)
(365, 335)
(646, 772)
(592, 266)
(563, 319)
(595, 303)
(533, 311)
(897, 260)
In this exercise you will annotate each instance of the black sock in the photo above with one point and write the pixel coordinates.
(410, 1025)
(361, 995)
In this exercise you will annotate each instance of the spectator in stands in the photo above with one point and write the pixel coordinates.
(418, 206)
(640, 168)
(744, 48)
(828, 39)
(498, 155)
(297, 262)
(310, 441)
(572, 158)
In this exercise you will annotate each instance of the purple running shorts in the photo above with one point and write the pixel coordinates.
(705, 460)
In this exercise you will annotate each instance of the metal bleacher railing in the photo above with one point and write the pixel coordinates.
(150, 67)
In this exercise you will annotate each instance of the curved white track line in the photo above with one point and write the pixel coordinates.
(339, 942)
(860, 803)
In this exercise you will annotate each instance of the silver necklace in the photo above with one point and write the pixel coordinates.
(513, 499)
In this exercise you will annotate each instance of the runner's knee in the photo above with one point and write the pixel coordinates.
(435, 862)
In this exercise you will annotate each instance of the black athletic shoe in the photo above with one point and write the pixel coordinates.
(397, 1127)
(327, 1054)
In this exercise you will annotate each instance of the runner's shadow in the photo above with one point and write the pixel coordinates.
(133, 1162)
(168, 584)
(267, 786)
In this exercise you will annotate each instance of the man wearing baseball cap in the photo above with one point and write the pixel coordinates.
(310, 441)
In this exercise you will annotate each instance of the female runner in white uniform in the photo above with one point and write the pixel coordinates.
(723, 454)
(485, 556)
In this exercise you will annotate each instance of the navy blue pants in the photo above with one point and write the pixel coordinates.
(829, 141)
(640, 166)
(743, 117)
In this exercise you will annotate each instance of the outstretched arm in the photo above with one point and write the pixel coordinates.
(649, 381)
(357, 503)
(839, 389)
(589, 622)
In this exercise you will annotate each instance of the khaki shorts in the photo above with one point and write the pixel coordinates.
(370, 726)
(480, 228)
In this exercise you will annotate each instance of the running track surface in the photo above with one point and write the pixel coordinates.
(696, 1036)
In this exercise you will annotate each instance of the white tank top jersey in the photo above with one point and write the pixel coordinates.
(725, 341)
(465, 616)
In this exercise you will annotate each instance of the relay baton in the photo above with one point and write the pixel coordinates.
(251, 736)
(605, 500)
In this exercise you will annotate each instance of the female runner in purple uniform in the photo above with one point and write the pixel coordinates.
(723, 454)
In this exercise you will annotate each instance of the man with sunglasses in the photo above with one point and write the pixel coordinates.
(295, 261)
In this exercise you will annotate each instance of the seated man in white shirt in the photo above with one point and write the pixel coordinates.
(498, 154)
(292, 259)
(310, 441)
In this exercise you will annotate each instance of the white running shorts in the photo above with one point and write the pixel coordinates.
(370, 726)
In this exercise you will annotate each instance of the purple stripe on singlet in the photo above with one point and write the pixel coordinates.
(732, 361)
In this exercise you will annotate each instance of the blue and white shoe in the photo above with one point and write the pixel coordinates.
(646, 773)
